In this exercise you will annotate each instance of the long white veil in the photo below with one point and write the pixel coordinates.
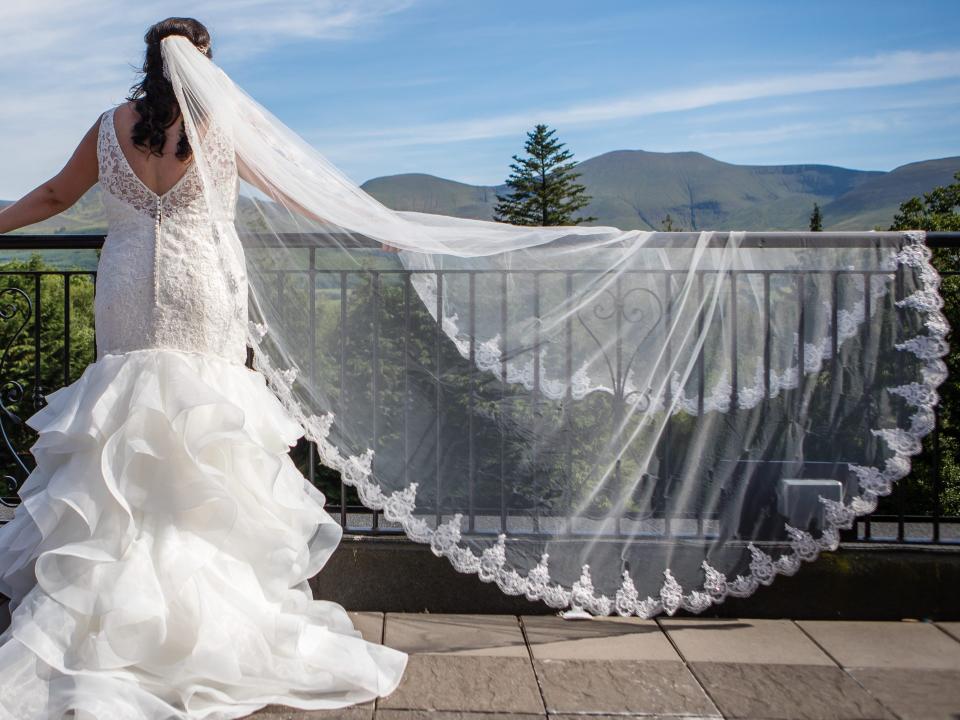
(606, 420)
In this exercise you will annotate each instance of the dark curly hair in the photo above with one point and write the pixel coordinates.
(153, 95)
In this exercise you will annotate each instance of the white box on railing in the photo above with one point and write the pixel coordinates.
(799, 500)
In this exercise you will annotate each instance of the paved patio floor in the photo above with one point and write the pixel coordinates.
(504, 667)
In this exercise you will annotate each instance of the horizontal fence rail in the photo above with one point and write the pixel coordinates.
(47, 338)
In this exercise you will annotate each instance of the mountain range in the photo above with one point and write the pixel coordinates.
(636, 189)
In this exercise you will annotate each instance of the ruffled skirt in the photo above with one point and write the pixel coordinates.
(158, 565)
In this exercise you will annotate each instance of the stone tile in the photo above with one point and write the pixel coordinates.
(743, 641)
(636, 717)
(951, 628)
(283, 712)
(613, 638)
(621, 687)
(498, 635)
(428, 715)
(370, 624)
(787, 692)
(462, 683)
(885, 644)
(914, 694)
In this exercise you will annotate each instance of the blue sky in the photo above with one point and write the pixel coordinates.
(450, 88)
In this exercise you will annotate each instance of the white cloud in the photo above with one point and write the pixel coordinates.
(62, 62)
(880, 71)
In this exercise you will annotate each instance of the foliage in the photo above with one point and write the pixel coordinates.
(939, 209)
(931, 486)
(543, 184)
(816, 219)
(667, 224)
(32, 341)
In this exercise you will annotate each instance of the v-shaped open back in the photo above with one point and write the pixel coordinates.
(129, 165)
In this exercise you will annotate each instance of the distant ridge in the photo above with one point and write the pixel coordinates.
(637, 189)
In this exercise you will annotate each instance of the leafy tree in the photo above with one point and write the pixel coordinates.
(32, 348)
(543, 184)
(938, 209)
(816, 219)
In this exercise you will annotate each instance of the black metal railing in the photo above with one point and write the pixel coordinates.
(47, 338)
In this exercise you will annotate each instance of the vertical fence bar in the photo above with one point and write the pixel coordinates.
(37, 388)
(701, 385)
(375, 378)
(568, 406)
(535, 399)
(902, 496)
(93, 279)
(471, 402)
(438, 389)
(504, 400)
(66, 328)
(766, 342)
(312, 280)
(343, 382)
(405, 411)
(666, 468)
(801, 332)
(734, 369)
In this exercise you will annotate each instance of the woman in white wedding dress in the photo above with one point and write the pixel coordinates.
(158, 564)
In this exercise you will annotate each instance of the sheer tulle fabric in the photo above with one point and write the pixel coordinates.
(172, 582)
(618, 421)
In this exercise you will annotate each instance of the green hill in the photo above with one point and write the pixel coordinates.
(875, 201)
(635, 189)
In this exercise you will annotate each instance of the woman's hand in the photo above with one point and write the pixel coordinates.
(60, 192)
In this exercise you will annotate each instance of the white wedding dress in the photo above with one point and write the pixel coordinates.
(157, 567)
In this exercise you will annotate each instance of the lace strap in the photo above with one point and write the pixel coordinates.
(103, 141)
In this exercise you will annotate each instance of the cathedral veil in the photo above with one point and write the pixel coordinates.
(605, 420)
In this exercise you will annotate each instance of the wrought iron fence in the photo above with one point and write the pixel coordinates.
(47, 339)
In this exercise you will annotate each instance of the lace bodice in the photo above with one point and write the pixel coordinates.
(165, 279)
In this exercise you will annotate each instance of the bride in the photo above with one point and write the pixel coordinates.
(157, 566)
(632, 422)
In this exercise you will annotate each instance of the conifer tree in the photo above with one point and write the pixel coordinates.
(816, 219)
(543, 185)
(667, 224)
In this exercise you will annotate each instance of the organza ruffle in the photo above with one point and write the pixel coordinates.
(158, 565)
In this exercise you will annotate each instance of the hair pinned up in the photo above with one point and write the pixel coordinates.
(153, 96)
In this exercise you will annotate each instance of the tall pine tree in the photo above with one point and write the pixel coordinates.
(816, 219)
(544, 191)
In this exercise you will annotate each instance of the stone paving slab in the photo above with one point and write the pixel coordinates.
(427, 715)
(914, 694)
(552, 637)
(621, 687)
(951, 628)
(370, 625)
(504, 667)
(787, 692)
(633, 717)
(496, 635)
(778, 642)
(467, 682)
(885, 644)
(282, 712)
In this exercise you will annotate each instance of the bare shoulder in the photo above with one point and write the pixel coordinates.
(126, 113)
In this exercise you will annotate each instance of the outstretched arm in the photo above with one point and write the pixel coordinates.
(281, 198)
(60, 192)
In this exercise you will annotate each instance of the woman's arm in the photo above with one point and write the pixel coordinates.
(60, 192)
(284, 200)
